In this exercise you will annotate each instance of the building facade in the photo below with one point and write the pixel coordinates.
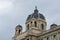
(36, 29)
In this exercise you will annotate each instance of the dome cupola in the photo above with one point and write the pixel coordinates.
(18, 30)
(18, 26)
(36, 21)
(53, 26)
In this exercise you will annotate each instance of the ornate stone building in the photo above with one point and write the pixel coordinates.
(36, 29)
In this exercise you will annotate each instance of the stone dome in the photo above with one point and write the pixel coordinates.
(19, 26)
(36, 15)
(53, 25)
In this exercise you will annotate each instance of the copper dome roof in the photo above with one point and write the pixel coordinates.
(35, 15)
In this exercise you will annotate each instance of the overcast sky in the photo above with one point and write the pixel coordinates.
(14, 12)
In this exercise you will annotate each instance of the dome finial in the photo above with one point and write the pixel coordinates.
(36, 10)
(35, 7)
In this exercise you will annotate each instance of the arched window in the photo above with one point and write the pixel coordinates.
(19, 31)
(27, 39)
(35, 24)
(28, 26)
(31, 23)
(47, 38)
(41, 39)
(42, 26)
(54, 36)
(16, 30)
